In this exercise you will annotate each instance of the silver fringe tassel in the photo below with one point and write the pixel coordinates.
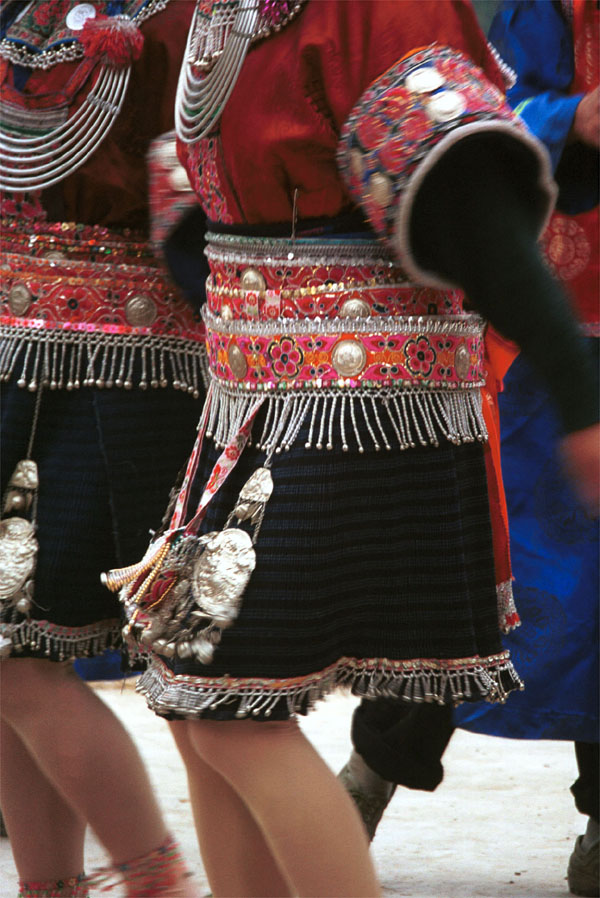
(66, 643)
(190, 696)
(70, 360)
(337, 417)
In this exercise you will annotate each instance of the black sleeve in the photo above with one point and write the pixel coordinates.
(475, 222)
(184, 255)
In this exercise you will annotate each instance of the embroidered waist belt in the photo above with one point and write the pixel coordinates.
(81, 305)
(336, 323)
(437, 353)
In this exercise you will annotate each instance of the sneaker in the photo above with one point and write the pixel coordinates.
(371, 805)
(583, 875)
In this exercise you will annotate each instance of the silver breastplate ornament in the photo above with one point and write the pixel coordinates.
(40, 147)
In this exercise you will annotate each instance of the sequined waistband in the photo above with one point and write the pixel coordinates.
(89, 285)
(264, 279)
(291, 314)
(74, 241)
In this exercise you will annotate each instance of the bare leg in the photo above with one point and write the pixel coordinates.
(236, 857)
(85, 753)
(308, 820)
(46, 835)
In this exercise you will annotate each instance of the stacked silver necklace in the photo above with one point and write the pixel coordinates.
(60, 144)
(217, 44)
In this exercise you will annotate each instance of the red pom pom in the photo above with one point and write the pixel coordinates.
(115, 40)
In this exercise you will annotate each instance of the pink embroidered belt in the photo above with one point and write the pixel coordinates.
(102, 293)
(442, 354)
(311, 322)
(334, 339)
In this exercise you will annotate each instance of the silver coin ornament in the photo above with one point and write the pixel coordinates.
(78, 16)
(462, 361)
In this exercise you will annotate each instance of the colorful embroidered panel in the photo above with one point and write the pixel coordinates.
(401, 125)
(201, 159)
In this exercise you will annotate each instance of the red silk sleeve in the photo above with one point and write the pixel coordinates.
(280, 128)
(362, 39)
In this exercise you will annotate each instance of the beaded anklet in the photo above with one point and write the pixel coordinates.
(148, 876)
(75, 887)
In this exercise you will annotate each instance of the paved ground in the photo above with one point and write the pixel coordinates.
(501, 825)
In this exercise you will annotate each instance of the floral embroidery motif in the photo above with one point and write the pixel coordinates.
(286, 356)
(297, 360)
(100, 292)
(566, 246)
(45, 13)
(420, 356)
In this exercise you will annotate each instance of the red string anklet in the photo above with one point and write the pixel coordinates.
(151, 875)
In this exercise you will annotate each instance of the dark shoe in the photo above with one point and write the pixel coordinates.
(370, 805)
(583, 875)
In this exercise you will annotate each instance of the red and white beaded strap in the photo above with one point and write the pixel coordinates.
(220, 472)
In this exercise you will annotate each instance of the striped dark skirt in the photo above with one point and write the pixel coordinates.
(374, 571)
(107, 461)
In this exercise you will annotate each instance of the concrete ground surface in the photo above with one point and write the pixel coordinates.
(501, 825)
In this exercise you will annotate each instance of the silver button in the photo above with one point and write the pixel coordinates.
(462, 361)
(380, 188)
(226, 313)
(19, 299)
(55, 255)
(140, 310)
(446, 105)
(252, 279)
(78, 16)
(237, 361)
(424, 80)
(355, 308)
(349, 357)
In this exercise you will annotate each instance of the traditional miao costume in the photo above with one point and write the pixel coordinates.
(99, 354)
(341, 519)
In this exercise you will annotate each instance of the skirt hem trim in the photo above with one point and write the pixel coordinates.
(423, 680)
(57, 642)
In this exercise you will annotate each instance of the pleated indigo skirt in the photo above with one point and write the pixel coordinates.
(374, 571)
